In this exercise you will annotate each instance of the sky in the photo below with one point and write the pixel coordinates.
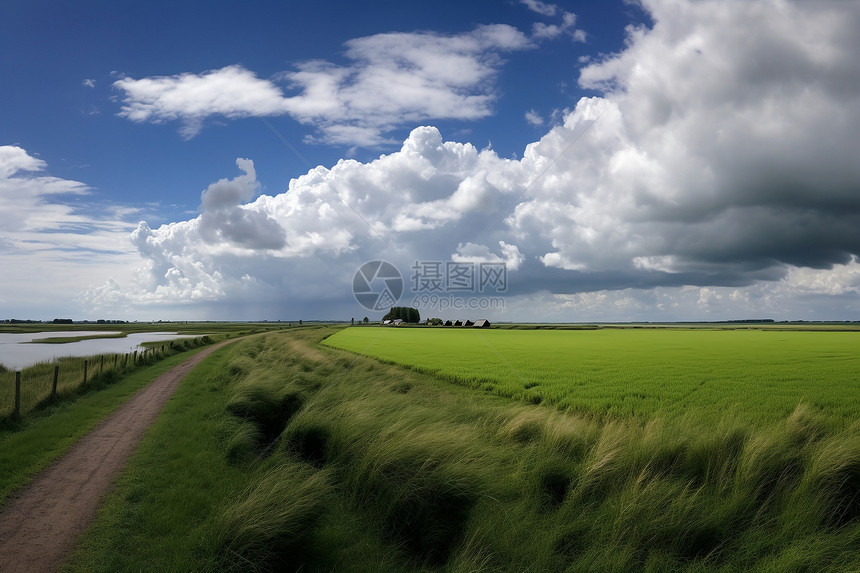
(516, 160)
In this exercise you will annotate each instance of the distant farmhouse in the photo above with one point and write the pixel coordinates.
(481, 323)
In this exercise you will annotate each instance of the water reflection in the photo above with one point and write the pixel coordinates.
(15, 355)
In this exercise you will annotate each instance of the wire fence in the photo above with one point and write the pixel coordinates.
(32, 388)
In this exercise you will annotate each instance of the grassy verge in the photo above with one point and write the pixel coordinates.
(281, 455)
(42, 437)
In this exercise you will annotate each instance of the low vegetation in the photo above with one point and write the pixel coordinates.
(278, 454)
(67, 339)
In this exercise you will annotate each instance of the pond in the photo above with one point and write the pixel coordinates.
(16, 354)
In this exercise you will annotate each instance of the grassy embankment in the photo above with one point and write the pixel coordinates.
(280, 455)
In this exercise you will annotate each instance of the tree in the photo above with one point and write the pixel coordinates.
(404, 313)
(366, 320)
(352, 321)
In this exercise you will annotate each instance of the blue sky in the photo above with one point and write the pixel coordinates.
(625, 161)
(51, 48)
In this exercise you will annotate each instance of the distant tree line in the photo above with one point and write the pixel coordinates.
(404, 313)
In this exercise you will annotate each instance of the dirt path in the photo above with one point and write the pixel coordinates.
(41, 523)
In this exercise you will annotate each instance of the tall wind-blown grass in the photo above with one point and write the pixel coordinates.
(271, 523)
(463, 481)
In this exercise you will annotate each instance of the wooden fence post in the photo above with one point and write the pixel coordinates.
(85, 371)
(54, 383)
(17, 393)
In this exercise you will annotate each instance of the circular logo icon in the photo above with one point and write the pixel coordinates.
(377, 285)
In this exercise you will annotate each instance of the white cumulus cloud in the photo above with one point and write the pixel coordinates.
(543, 31)
(534, 118)
(391, 79)
(542, 8)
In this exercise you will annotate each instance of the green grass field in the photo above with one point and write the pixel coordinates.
(761, 375)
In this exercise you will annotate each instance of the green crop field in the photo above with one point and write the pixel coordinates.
(760, 375)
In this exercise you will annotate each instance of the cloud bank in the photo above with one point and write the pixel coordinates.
(52, 241)
(716, 172)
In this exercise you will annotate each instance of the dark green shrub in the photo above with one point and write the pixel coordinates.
(836, 480)
(261, 405)
(421, 504)
(430, 516)
(310, 442)
(553, 481)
